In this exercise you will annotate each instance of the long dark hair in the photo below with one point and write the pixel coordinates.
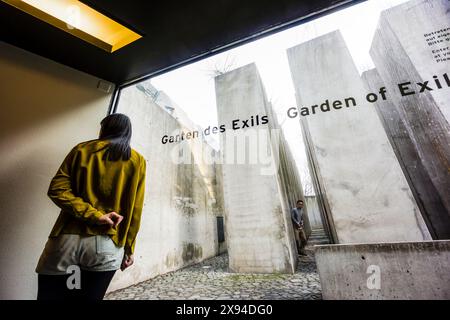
(117, 129)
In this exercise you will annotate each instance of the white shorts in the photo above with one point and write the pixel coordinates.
(90, 253)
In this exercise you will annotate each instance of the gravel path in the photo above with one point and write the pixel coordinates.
(211, 280)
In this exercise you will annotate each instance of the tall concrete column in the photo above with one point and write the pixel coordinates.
(405, 47)
(367, 194)
(430, 203)
(260, 188)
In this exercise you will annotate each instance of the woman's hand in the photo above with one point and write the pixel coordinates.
(111, 219)
(127, 261)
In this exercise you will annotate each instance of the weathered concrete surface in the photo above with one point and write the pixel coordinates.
(426, 195)
(408, 27)
(402, 54)
(182, 197)
(367, 194)
(315, 218)
(260, 189)
(408, 270)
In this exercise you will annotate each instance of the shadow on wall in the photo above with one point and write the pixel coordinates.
(46, 109)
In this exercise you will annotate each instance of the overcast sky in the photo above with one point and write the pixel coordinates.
(192, 86)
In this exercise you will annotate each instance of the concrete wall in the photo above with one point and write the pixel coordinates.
(415, 270)
(315, 218)
(406, 25)
(427, 197)
(368, 196)
(321, 199)
(401, 54)
(183, 196)
(46, 109)
(258, 193)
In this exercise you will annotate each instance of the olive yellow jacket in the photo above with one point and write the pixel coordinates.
(85, 187)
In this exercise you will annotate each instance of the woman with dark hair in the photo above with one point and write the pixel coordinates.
(100, 189)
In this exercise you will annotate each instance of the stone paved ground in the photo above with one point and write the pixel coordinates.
(211, 280)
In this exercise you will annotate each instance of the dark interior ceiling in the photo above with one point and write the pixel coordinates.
(175, 32)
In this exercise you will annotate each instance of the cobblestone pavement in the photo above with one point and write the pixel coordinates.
(211, 280)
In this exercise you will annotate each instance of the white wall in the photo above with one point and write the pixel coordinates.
(45, 109)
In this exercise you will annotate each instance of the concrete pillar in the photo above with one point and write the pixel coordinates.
(258, 192)
(403, 50)
(426, 195)
(314, 212)
(368, 196)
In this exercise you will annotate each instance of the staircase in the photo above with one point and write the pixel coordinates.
(317, 237)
